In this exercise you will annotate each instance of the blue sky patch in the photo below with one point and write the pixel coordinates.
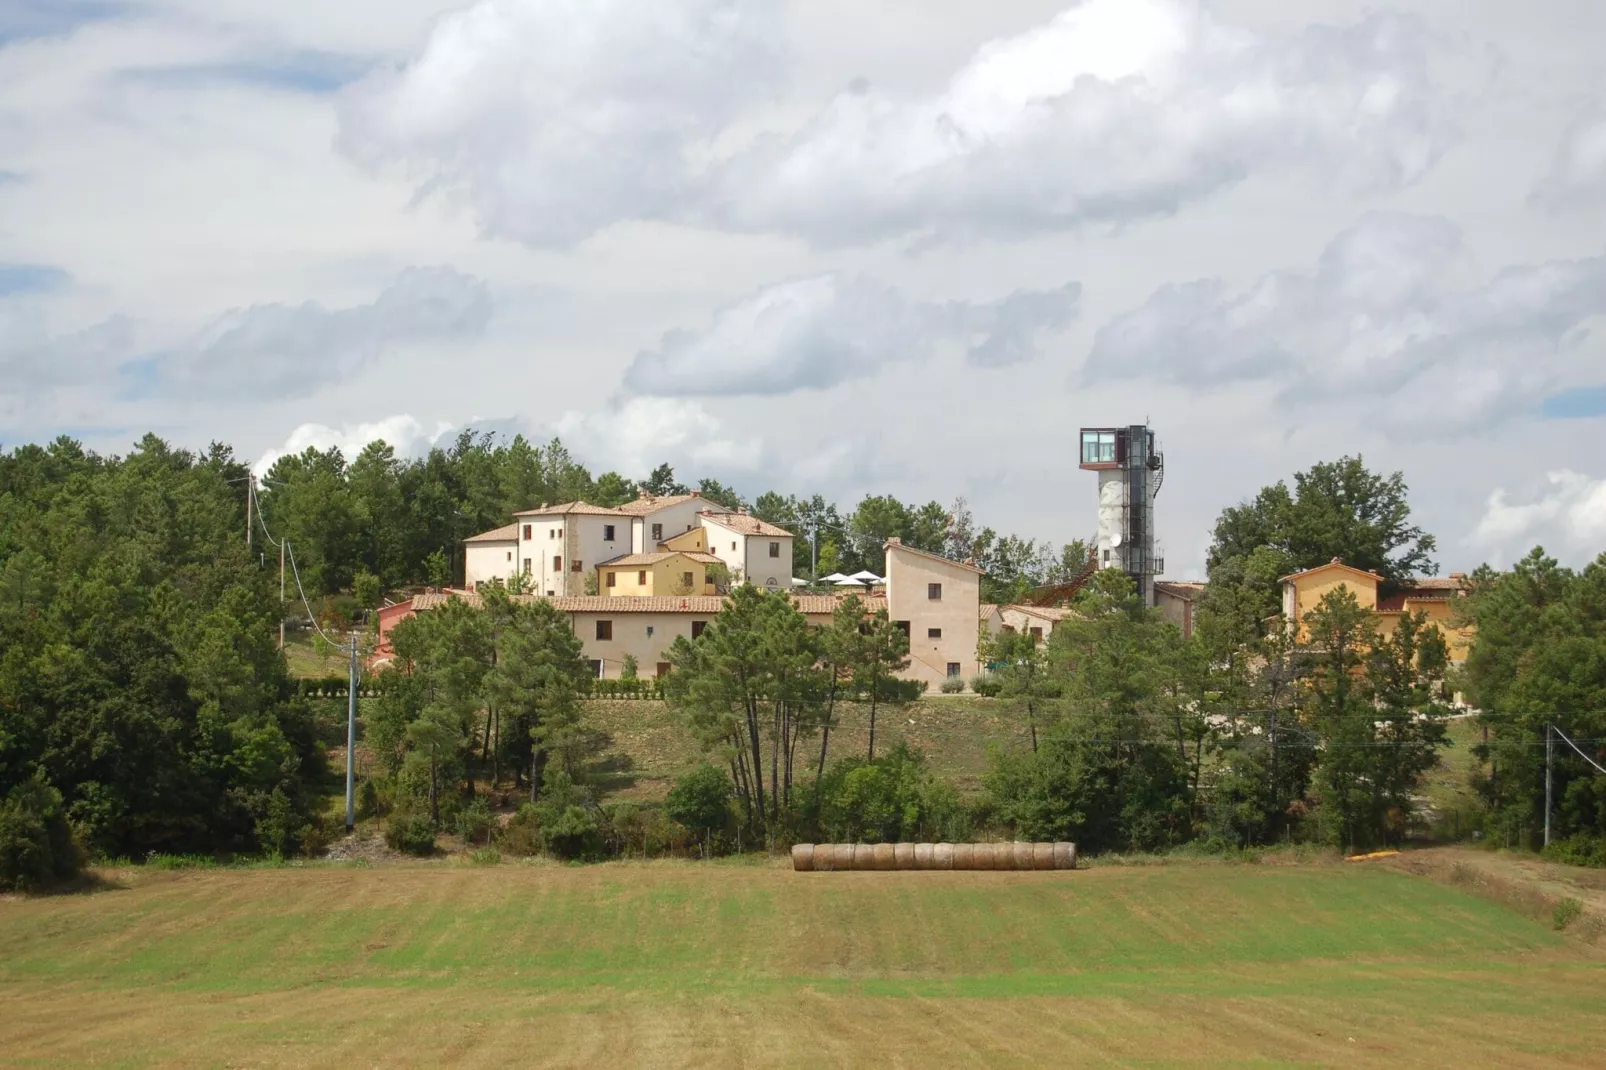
(22, 20)
(30, 279)
(1579, 403)
(301, 71)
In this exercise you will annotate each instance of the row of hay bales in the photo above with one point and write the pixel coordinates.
(836, 857)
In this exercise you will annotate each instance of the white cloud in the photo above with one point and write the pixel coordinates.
(558, 119)
(821, 331)
(1391, 313)
(633, 435)
(403, 432)
(1577, 175)
(1567, 516)
(292, 350)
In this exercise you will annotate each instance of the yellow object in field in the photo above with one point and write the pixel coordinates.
(1374, 854)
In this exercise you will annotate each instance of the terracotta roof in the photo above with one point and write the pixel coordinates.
(570, 508)
(1334, 563)
(986, 609)
(703, 605)
(1055, 613)
(745, 524)
(1399, 602)
(1181, 588)
(655, 557)
(644, 506)
(510, 533)
(894, 542)
(1436, 583)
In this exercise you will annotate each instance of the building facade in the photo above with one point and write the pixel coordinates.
(756, 552)
(1303, 591)
(938, 604)
(665, 573)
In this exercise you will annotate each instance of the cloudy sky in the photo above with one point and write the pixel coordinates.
(902, 247)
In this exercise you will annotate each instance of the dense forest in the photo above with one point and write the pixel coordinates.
(145, 708)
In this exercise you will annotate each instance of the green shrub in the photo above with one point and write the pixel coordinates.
(36, 845)
(522, 835)
(474, 821)
(411, 833)
(369, 803)
(1578, 850)
(279, 828)
(567, 818)
(986, 685)
(890, 799)
(1567, 911)
(952, 685)
(700, 802)
(485, 856)
(633, 830)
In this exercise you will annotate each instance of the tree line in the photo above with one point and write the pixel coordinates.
(380, 521)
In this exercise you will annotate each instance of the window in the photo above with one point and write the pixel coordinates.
(549, 594)
(657, 533)
(934, 591)
(557, 564)
(1037, 634)
(1106, 557)
(596, 667)
(953, 669)
(649, 631)
(641, 578)
(510, 555)
(605, 629)
(903, 626)
(527, 564)
(775, 549)
(733, 547)
(686, 580)
(575, 565)
(527, 532)
(1098, 447)
(697, 627)
(663, 668)
(933, 633)
(607, 533)
(613, 578)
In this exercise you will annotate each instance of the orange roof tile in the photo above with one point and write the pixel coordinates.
(646, 505)
(509, 533)
(745, 524)
(898, 543)
(703, 605)
(654, 557)
(571, 508)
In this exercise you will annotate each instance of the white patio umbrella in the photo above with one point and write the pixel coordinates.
(849, 581)
(867, 577)
(832, 578)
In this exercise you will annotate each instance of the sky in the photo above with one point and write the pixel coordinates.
(907, 247)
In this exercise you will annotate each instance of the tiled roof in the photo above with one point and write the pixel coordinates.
(510, 533)
(745, 524)
(1054, 613)
(1399, 602)
(644, 506)
(703, 605)
(986, 609)
(1181, 588)
(571, 508)
(1334, 563)
(654, 558)
(1435, 583)
(898, 543)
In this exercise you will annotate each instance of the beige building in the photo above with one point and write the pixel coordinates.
(1175, 599)
(492, 555)
(665, 573)
(559, 545)
(654, 521)
(756, 552)
(1037, 621)
(1303, 591)
(938, 604)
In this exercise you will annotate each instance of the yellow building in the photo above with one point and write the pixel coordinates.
(1302, 591)
(661, 574)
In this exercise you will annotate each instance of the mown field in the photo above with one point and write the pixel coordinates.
(680, 964)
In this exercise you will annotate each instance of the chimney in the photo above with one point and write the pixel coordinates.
(696, 494)
(1337, 561)
(895, 541)
(1458, 575)
(741, 510)
(642, 495)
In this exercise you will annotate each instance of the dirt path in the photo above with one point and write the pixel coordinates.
(1523, 882)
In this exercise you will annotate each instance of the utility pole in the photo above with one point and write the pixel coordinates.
(1550, 753)
(282, 543)
(351, 742)
(250, 496)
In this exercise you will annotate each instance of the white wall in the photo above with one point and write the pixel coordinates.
(572, 537)
(772, 573)
(488, 560)
(677, 518)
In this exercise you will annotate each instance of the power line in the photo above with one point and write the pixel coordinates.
(1575, 747)
(290, 550)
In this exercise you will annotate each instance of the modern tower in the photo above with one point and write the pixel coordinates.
(1130, 473)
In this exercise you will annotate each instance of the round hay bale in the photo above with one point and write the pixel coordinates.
(1042, 856)
(863, 856)
(925, 856)
(1023, 854)
(886, 856)
(964, 856)
(1003, 855)
(824, 856)
(942, 856)
(842, 859)
(1065, 856)
(903, 856)
(803, 857)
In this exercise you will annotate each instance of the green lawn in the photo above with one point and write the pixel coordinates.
(730, 964)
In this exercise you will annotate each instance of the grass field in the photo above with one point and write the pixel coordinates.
(679, 964)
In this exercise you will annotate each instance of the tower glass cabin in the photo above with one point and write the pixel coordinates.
(1130, 472)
